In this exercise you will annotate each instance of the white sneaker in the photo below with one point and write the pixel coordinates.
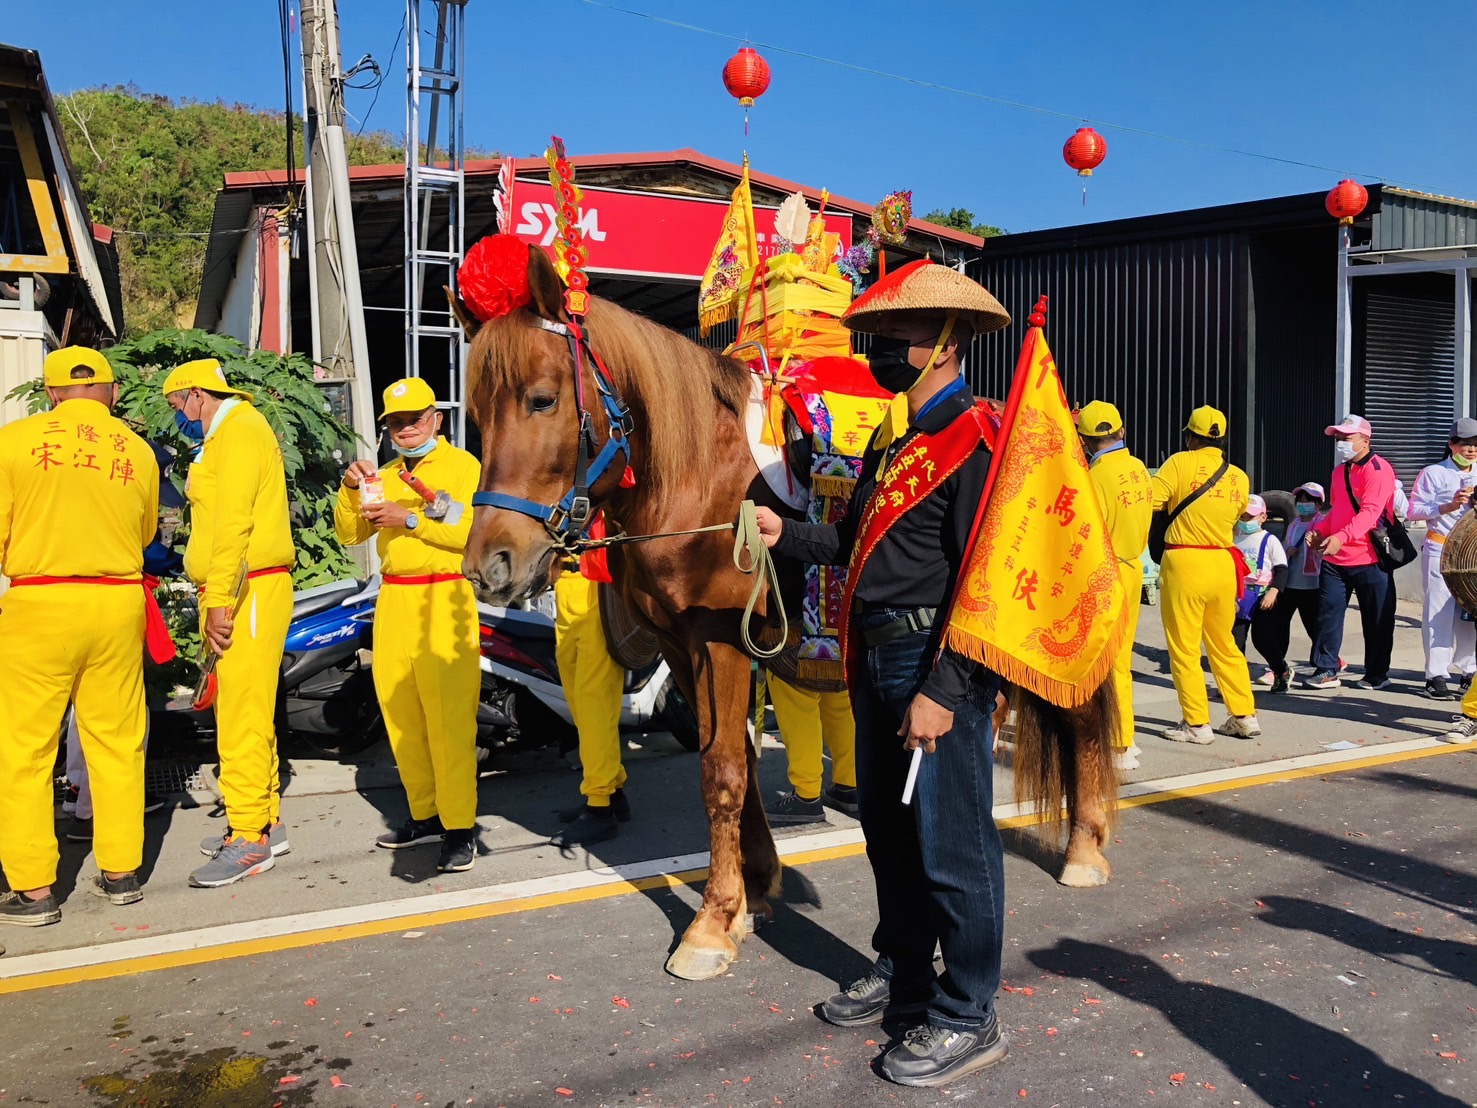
(1464, 732)
(1268, 678)
(1127, 758)
(1182, 732)
(1241, 727)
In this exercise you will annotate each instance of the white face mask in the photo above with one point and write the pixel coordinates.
(1343, 451)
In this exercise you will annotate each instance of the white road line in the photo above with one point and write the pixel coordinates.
(789, 847)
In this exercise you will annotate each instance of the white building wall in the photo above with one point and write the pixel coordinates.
(241, 308)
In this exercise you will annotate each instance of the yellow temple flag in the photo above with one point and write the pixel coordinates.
(1039, 600)
(735, 253)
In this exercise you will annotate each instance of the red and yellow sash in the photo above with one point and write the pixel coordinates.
(912, 476)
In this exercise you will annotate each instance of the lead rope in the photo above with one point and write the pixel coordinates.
(751, 558)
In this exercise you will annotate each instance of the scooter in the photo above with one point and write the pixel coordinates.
(523, 703)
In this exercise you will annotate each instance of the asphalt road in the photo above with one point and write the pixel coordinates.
(1304, 943)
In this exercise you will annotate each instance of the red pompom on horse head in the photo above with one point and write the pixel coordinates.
(493, 277)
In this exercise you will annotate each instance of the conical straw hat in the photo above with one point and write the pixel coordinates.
(922, 286)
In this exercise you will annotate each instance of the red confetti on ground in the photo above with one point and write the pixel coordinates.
(1209, 1087)
(871, 1042)
(1051, 1030)
(1090, 1000)
(1137, 1053)
(290, 1079)
(775, 1008)
(1027, 991)
(1176, 1079)
(1021, 1093)
(620, 1002)
(747, 1080)
(246, 1034)
(1447, 1054)
(338, 1082)
(555, 977)
(569, 1011)
(311, 1002)
(533, 1000)
(562, 1091)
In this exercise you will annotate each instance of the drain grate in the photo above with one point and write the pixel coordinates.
(165, 777)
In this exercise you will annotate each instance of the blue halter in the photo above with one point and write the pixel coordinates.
(569, 519)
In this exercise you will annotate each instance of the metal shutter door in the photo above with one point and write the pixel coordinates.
(1408, 391)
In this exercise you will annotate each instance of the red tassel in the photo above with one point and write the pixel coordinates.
(628, 478)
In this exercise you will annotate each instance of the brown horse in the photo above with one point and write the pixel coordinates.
(692, 467)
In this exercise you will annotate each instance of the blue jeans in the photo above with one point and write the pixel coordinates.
(1376, 592)
(938, 863)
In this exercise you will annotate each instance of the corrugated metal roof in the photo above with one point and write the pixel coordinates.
(1417, 221)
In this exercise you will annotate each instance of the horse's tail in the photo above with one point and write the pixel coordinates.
(1063, 755)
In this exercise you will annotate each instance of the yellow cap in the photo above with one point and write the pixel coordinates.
(1207, 422)
(411, 394)
(57, 370)
(206, 373)
(1099, 418)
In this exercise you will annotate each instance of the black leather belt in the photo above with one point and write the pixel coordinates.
(919, 619)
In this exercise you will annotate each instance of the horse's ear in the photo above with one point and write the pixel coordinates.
(544, 284)
(470, 323)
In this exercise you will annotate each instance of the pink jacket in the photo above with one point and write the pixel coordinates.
(1374, 488)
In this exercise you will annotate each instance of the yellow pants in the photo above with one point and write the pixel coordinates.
(593, 682)
(427, 676)
(1469, 701)
(1198, 589)
(1132, 578)
(246, 705)
(80, 643)
(806, 719)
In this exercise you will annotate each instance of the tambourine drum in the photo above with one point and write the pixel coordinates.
(1459, 562)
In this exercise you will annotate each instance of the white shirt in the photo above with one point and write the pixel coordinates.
(1435, 486)
(1251, 548)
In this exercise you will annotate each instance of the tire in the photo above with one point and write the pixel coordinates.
(676, 715)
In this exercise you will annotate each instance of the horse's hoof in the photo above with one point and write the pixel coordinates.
(1075, 875)
(693, 963)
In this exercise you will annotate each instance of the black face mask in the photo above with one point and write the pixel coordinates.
(888, 361)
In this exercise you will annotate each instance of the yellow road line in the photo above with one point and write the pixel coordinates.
(273, 944)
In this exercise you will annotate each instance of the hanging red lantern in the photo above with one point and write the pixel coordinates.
(746, 76)
(1085, 151)
(1346, 200)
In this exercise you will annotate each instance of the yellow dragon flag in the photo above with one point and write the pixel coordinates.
(1039, 600)
(735, 253)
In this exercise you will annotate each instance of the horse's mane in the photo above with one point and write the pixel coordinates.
(670, 382)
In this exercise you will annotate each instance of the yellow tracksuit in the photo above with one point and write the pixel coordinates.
(238, 510)
(1122, 485)
(593, 682)
(79, 497)
(1199, 585)
(806, 719)
(426, 670)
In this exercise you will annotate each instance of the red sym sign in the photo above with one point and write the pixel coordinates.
(643, 234)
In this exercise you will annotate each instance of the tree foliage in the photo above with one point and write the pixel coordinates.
(962, 219)
(150, 168)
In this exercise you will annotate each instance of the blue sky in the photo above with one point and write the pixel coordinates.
(1375, 90)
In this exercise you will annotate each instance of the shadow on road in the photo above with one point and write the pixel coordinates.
(1282, 1058)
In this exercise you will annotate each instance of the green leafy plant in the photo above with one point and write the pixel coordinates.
(316, 446)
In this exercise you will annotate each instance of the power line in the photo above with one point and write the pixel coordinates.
(389, 64)
(1002, 102)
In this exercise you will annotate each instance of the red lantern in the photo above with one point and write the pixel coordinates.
(1085, 151)
(746, 76)
(1346, 200)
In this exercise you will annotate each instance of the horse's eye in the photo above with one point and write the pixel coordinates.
(541, 403)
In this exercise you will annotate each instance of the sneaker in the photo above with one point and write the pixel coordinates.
(1370, 684)
(1464, 681)
(866, 1002)
(1268, 677)
(458, 851)
(79, 830)
(21, 910)
(592, 825)
(931, 1056)
(415, 832)
(1240, 727)
(1282, 683)
(843, 798)
(237, 858)
(1437, 689)
(1343, 667)
(1465, 731)
(123, 890)
(618, 804)
(1127, 758)
(1323, 679)
(69, 800)
(211, 845)
(1182, 732)
(791, 808)
(154, 802)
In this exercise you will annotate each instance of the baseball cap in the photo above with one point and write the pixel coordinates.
(56, 371)
(411, 394)
(205, 373)
(1099, 418)
(1312, 488)
(1350, 425)
(1207, 422)
(1464, 428)
(1255, 505)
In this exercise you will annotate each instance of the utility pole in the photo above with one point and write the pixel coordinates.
(339, 344)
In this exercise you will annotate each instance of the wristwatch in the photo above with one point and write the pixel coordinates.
(412, 521)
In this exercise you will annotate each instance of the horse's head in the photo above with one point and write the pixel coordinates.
(521, 391)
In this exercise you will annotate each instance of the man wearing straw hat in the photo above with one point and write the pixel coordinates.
(938, 863)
